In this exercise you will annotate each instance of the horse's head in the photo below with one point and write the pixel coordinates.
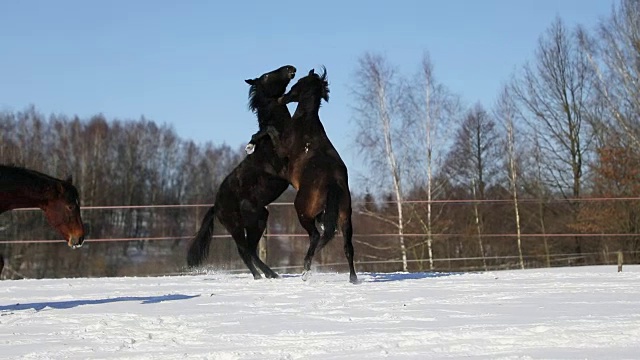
(62, 211)
(312, 85)
(270, 85)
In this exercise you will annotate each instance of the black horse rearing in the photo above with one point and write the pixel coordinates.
(256, 182)
(316, 170)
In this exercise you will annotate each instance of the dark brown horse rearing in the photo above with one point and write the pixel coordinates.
(316, 170)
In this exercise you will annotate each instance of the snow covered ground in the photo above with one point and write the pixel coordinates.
(563, 313)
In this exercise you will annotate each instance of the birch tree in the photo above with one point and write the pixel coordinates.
(428, 111)
(377, 116)
(506, 112)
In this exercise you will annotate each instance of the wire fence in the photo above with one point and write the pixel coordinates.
(384, 235)
(510, 236)
(463, 263)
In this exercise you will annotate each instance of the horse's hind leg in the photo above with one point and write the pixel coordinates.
(254, 233)
(243, 249)
(308, 206)
(309, 224)
(347, 234)
(255, 223)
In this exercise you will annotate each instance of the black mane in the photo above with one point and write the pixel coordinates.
(14, 171)
(265, 108)
(254, 101)
(325, 84)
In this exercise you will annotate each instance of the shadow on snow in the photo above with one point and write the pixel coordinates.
(37, 306)
(400, 276)
(369, 277)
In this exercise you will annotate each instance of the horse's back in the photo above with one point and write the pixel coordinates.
(255, 179)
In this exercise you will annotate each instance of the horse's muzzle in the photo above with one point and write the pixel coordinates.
(75, 242)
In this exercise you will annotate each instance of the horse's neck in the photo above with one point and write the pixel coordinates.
(8, 202)
(272, 115)
(311, 104)
(23, 191)
(307, 120)
(306, 131)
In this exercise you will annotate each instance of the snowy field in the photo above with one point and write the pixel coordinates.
(566, 313)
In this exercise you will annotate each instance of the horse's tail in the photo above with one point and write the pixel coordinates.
(199, 249)
(331, 214)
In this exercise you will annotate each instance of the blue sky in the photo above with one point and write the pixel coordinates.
(183, 62)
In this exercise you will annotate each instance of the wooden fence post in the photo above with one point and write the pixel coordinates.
(262, 245)
(620, 260)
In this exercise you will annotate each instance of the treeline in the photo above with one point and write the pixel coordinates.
(547, 176)
(539, 175)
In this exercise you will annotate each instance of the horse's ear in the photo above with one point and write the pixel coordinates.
(311, 72)
(251, 81)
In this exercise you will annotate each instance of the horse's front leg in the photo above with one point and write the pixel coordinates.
(269, 131)
(274, 135)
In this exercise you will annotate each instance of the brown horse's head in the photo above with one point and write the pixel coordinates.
(313, 85)
(62, 211)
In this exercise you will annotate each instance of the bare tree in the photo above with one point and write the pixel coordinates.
(555, 94)
(473, 162)
(377, 116)
(614, 54)
(430, 107)
(506, 112)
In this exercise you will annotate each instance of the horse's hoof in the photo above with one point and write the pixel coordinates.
(306, 275)
(354, 280)
(250, 148)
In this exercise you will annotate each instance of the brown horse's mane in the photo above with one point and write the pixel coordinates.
(15, 169)
(10, 171)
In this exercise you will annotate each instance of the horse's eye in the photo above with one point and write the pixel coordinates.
(70, 207)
